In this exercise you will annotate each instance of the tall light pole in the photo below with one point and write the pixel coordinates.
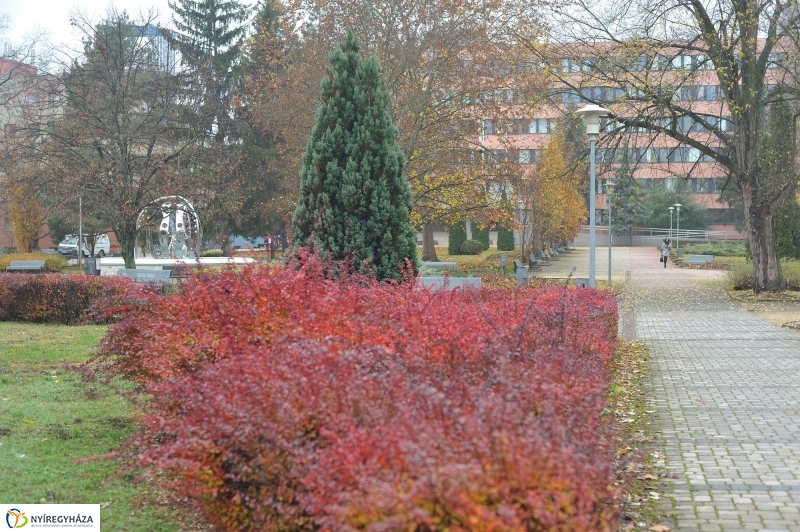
(678, 232)
(670, 222)
(80, 234)
(592, 114)
(609, 190)
(522, 221)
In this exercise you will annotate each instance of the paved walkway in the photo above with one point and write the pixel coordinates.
(727, 392)
(726, 386)
(577, 263)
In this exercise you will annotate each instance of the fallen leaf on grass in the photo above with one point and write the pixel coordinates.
(648, 477)
(659, 528)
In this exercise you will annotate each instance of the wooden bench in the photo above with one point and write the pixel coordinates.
(28, 266)
(698, 259)
(145, 276)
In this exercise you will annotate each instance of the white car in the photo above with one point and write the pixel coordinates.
(69, 246)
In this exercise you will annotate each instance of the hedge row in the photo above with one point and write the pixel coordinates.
(288, 400)
(52, 263)
(55, 297)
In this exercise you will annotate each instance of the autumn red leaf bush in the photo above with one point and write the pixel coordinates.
(290, 399)
(54, 297)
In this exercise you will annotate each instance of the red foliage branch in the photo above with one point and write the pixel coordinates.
(56, 297)
(289, 400)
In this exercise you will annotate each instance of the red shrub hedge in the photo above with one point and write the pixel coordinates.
(54, 297)
(284, 400)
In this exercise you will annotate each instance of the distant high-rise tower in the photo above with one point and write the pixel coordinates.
(164, 54)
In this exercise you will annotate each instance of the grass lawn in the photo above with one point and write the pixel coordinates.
(50, 417)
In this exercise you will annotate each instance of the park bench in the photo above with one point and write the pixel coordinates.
(451, 282)
(698, 259)
(28, 266)
(441, 265)
(535, 263)
(145, 276)
(180, 271)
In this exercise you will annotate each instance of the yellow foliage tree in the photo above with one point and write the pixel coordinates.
(26, 221)
(551, 195)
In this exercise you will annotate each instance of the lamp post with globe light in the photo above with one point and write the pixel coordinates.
(678, 230)
(592, 114)
(670, 222)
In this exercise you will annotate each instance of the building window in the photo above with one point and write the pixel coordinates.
(7, 224)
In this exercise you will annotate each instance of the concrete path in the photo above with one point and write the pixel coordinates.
(727, 396)
(576, 263)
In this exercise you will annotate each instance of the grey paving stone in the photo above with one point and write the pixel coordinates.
(727, 393)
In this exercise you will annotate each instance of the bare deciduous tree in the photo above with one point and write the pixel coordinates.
(698, 78)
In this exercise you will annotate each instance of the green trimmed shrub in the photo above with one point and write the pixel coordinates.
(482, 235)
(718, 249)
(472, 247)
(212, 253)
(505, 239)
(457, 236)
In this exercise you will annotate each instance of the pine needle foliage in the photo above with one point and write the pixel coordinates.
(354, 198)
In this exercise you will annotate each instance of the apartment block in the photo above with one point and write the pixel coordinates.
(657, 161)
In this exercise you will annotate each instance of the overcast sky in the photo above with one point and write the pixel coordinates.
(27, 16)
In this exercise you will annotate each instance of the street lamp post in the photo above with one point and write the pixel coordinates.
(609, 190)
(678, 231)
(592, 114)
(670, 222)
(522, 221)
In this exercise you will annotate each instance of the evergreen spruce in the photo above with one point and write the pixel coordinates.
(505, 239)
(354, 198)
(209, 35)
(456, 236)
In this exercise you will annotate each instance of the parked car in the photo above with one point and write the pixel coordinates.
(69, 246)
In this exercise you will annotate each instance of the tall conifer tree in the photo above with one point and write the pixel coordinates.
(209, 35)
(354, 197)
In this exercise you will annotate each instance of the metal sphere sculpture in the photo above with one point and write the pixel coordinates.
(177, 225)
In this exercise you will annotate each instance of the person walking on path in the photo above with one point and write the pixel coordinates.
(665, 246)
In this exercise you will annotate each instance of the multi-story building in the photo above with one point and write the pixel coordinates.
(655, 160)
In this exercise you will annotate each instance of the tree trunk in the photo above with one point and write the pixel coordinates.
(127, 242)
(227, 247)
(428, 249)
(767, 275)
